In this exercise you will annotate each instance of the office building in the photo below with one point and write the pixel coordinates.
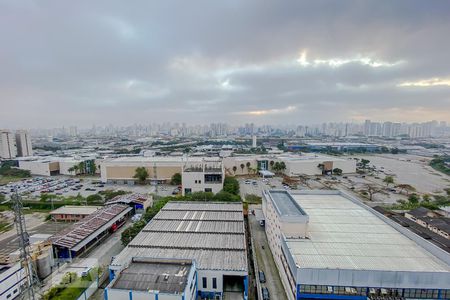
(8, 149)
(210, 235)
(202, 176)
(23, 142)
(328, 245)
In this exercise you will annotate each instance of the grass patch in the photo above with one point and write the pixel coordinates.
(440, 164)
(5, 226)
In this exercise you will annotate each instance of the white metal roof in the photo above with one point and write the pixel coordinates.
(345, 235)
(75, 210)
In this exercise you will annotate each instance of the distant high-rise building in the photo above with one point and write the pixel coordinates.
(8, 147)
(254, 141)
(23, 142)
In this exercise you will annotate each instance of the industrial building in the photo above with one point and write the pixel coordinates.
(72, 213)
(139, 202)
(51, 165)
(328, 245)
(203, 176)
(12, 280)
(155, 279)
(211, 235)
(74, 240)
(305, 164)
(434, 221)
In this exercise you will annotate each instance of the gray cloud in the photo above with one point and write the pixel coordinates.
(80, 62)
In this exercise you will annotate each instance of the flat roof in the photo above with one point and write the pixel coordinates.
(212, 234)
(75, 210)
(75, 236)
(164, 277)
(285, 204)
(344, 234)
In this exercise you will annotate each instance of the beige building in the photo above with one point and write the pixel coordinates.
(203, 176)
(71, 213)
(23, 142)
(8, 147)
(40, 166)
(122, 170)
(304, 164)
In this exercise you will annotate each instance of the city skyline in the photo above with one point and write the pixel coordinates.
(294, 62)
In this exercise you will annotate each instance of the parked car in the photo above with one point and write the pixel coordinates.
(262, 276)
(265, 293)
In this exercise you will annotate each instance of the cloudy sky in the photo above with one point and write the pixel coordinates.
(268, 62)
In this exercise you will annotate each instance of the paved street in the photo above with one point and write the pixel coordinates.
(264, 257)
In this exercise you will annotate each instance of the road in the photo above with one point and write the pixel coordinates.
(264, 257)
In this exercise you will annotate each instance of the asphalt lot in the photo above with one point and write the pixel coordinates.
(256, 189)
(264, 257)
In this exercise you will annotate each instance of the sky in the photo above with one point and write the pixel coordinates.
(65, 63)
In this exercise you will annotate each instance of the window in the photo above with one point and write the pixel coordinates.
(187, 191)
(195, 181)
(214, 283)
(208, 190)
(204, 282)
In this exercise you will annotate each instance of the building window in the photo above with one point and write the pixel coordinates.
(195, 181)
(214, 283)
(204, 282)
(187, 191)
(208, 190)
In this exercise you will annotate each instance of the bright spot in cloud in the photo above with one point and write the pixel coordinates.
(268, 111)
(338, 62)
(426, 82)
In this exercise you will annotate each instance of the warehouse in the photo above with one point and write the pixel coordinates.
(328, 245)
(74, 240)
(159, 168)
(139, 202)
(210, 234)
(72, 213)
(309, 164)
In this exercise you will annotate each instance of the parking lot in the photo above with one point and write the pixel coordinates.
(32, 188)
(255, 186)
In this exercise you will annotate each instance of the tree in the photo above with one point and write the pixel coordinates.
(141, 174)
(248, 164)
(234, 169)
(426, 198)
(282, 166)
(365, 163)
(82, 167)
(372, 189)
(413, 199)
(337, 171)
(223, 196)
(276, 167)
(271, 164)
(242, 167)
(96, 198)
(406, 187)
(73, 169)
(388, 180)
(176, 179)
(231, 185)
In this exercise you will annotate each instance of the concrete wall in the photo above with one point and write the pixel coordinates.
(126, 172)
(36, 167)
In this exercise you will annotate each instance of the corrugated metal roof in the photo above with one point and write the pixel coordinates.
(81, 230)
(212, 234)
(344, 235)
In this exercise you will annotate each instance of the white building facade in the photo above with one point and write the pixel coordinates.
(8, 149)
(23, 142)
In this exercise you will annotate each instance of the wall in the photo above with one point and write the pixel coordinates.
(229, 162)
(196, 182)
(36, 167)
(10, 282)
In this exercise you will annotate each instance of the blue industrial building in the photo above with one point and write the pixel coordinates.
(328, 245)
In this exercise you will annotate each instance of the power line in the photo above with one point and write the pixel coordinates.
(32, 280)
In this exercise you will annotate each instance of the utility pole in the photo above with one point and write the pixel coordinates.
(32, 279)
(155, 178)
